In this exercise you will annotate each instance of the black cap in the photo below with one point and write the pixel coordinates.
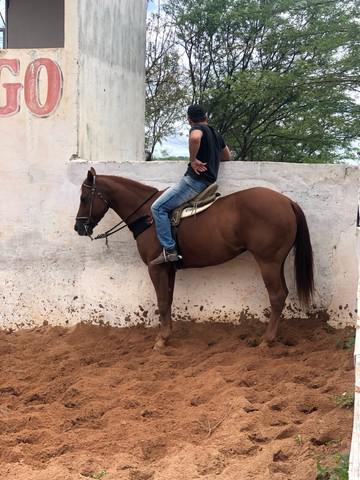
(196, 113)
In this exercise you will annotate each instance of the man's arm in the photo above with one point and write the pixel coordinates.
(194, 145)
(225, 154)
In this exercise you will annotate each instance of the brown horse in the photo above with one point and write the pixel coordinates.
(260, 220)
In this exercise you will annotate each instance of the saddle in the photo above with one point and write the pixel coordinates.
(198, 204)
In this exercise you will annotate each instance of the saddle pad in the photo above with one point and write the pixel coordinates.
(190, 211)
(180, 213)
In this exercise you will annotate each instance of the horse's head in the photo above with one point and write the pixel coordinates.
(93, 205)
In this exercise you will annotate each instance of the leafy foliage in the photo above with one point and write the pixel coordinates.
(277, 77)
(165, 92)
(347, 343)
(346, 400)
(96, 476)
(339, 472)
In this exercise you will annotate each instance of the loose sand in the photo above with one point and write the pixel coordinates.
(98, 402)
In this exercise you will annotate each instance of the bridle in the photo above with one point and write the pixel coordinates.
(88, 220)
(116, 228)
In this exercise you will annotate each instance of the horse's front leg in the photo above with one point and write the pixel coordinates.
(163, 278)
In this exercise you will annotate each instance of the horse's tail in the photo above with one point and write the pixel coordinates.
(304, 262)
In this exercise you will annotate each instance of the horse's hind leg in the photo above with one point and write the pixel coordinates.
(163, 278)
(274, 279)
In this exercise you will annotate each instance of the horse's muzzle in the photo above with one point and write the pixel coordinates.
(83, 229)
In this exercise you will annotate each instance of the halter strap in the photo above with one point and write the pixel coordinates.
(119, 226)
(89, 218)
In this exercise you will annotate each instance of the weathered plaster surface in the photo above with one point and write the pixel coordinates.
(111, 82)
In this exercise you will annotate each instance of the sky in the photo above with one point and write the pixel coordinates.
(174, 146)
(152, 5)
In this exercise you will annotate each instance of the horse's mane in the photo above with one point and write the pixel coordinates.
(132, 184)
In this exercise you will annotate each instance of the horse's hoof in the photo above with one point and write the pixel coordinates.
(266, 343)
(160, 344)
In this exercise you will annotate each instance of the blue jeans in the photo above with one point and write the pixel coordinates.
(172, 198)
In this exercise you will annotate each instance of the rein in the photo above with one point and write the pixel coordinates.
(116, 228)
(122, 224)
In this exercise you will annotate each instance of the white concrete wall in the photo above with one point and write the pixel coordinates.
(354, 461)
(39, 271)
(65, 278)
(112, 79)
(51, 274)
(34, 151)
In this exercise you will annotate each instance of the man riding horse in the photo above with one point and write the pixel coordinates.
(259, 220)
(206, 150)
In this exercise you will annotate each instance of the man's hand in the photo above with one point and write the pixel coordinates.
(198, 166)
(225, 155)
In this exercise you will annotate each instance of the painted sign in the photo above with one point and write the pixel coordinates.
(32, 87)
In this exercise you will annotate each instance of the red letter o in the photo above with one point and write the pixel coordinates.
(31, 84)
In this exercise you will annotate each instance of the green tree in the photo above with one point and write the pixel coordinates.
(164, 82)
(278, 77)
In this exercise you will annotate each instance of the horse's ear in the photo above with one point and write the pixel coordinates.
(91, 174)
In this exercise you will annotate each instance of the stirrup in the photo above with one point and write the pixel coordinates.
(166, 257)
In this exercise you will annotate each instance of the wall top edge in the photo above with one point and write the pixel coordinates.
(313, 166)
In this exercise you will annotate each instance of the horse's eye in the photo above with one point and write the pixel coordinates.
(83, 199)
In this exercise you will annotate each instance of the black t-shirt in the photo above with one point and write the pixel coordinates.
(211, 146)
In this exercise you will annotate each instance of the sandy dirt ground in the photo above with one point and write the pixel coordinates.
(97, 402)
